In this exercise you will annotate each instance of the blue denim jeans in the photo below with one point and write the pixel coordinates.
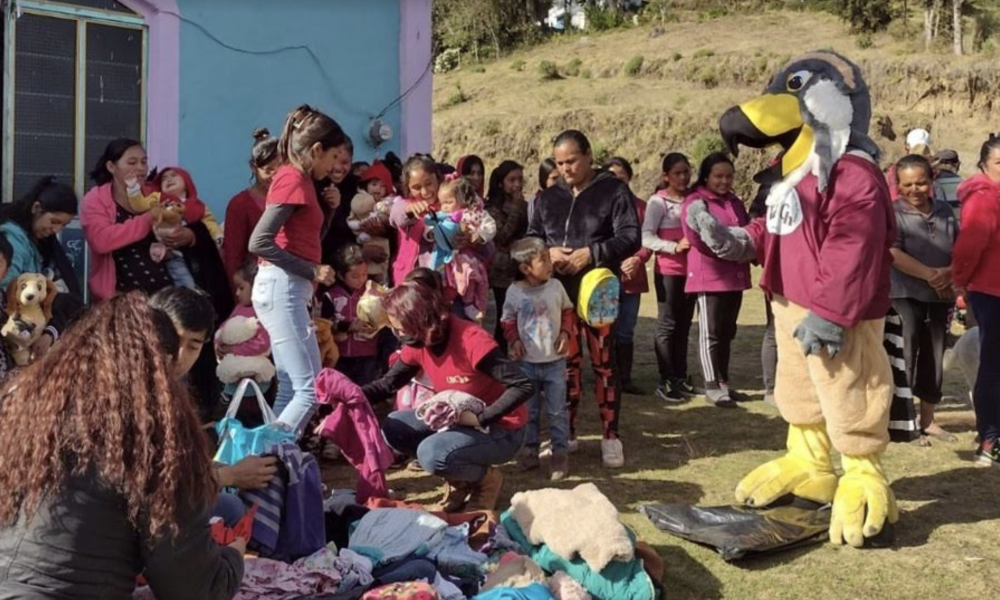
(628, 315)
(178, 270)
(229, 508)
(282, 304)
(550, 392)
(458, 454)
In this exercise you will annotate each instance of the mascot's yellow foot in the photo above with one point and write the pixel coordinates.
(806, 471)
(863, 486)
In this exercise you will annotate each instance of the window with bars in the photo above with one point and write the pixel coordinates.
(74, 79)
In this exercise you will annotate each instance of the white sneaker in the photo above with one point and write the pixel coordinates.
(612, 454)
(546, 451)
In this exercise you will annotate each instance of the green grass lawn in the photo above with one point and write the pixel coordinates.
(946, 544)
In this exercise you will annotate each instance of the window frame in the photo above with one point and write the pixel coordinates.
(82, 16)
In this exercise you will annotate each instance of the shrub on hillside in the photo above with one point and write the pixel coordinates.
(458, 97)
(705, 144)
(600, 18)
(572, 68)
(586, 74)
(704, 53)
(634, 66)
(677, 56)
(548, 70)
(478, 69)
(517, 65)
(447, 61)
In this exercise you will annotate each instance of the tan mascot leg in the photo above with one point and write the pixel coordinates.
(840, 402)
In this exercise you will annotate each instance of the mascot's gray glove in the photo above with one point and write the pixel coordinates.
(816, 333)
(728, 243)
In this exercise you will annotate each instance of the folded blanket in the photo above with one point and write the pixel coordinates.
(581, 521)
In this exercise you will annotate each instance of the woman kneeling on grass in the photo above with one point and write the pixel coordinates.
(455, 355)
(106, 473)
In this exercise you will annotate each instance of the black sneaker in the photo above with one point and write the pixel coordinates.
(738, 396)
(720, 398)
(686, 388)
(988, 455)
(668, 393)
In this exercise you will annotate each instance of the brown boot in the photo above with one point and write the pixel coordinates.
(456, 495)
(486, 491)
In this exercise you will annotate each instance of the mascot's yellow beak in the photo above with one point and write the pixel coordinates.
(770, 119)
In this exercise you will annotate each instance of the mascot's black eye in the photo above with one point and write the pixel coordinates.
(797, 80)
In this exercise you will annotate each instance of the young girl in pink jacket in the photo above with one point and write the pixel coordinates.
(719, 284)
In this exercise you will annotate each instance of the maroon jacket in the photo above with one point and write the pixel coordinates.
(837, 262)
(977, 252)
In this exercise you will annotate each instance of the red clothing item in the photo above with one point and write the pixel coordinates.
(300, 235)
(242, 214)
(976, 257)
(455, 368)
(194, 207)
(640, 284)
(836, 262)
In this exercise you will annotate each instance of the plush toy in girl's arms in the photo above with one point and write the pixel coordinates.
(29, 304)
(247, 353)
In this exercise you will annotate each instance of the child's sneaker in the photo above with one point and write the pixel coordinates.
(988, 455)
(559, 467)
(527, 459)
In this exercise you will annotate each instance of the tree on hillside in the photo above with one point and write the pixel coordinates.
(932, 20)
(866, 16)
(473, 26)
(957, 25)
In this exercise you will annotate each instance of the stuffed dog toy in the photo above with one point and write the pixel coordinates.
(29, 304)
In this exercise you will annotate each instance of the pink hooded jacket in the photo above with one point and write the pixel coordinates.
(104, 235)
(354, 429)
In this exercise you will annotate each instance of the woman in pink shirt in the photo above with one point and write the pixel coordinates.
(120, 240)
(719, 284)
(662, 233)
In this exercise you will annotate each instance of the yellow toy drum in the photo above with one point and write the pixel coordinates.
(597, 305)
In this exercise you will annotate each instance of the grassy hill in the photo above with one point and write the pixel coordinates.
(690, 72)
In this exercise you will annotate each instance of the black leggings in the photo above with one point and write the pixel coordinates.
(673, 326)
(718, 312)
(925, 325)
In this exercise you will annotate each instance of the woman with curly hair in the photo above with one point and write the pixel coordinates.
(106, 472)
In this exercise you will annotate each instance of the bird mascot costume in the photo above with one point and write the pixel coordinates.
(824, 245)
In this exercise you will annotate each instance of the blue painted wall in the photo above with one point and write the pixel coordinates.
(225, 94)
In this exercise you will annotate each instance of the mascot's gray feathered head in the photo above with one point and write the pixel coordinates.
(817, 108)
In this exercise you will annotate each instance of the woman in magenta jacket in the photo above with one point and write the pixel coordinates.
(719, 284)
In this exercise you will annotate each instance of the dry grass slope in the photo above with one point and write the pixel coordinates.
(689, 75)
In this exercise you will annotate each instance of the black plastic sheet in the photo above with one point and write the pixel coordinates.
(737, 532)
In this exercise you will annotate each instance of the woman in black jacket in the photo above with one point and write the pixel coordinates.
(106, 473)
(589, 221)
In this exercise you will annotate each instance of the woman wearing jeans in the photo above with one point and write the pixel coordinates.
(453, 354)
(635, 283)
(975, 274)
(287, 240)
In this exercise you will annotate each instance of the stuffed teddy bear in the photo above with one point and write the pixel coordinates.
(248, 349)
(29, 304)
(363, 208)
(370, 310)
(168, 215)
(328, 351)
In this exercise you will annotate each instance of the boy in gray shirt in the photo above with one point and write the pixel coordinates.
(537, 321)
